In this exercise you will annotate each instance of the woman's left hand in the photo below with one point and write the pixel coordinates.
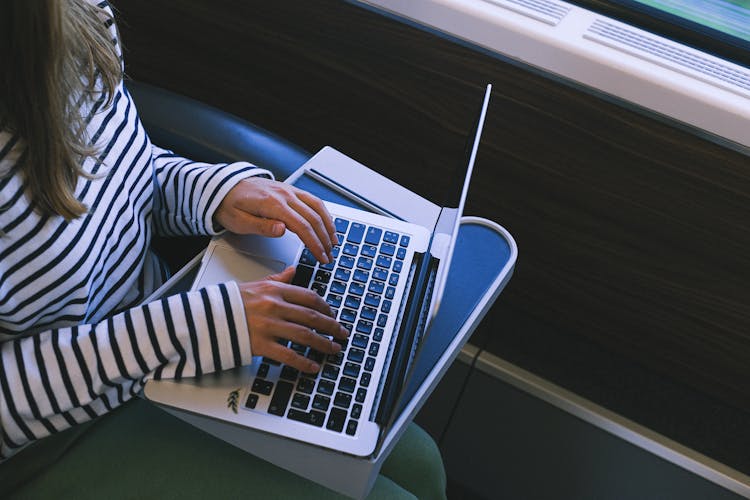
(262, 206)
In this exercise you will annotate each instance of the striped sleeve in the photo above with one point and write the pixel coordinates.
(58, 378)
(187, 193)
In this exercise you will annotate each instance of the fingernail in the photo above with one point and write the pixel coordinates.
(345, 331)
(336, 347)
(315, 367)
(278, 229)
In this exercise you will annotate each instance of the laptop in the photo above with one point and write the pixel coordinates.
(385, 285)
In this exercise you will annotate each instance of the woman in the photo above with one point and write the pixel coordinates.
(82, 192)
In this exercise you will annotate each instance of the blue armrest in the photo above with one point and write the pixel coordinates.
(204, 133)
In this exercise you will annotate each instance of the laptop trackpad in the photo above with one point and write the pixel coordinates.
(230, 264)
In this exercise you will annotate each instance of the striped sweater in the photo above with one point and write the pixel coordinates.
(75, 340)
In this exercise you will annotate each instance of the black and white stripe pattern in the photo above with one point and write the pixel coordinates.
(75, 341)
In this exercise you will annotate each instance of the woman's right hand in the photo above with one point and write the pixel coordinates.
(275, 309)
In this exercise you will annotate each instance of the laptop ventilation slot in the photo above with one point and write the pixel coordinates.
(671, 55)
(542, 10)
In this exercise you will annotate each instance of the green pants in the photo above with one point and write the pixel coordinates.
(141, 452)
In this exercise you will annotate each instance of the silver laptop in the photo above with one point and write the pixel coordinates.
(385, 286)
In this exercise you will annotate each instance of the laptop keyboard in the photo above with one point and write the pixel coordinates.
(359, 285)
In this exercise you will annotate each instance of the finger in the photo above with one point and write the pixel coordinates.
(285, 276)
(317, 204)
(315, 320)
(289, 357)
(308, 225)
(306, 298)
(315, 341)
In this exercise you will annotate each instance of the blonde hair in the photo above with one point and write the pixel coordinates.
(54, 52)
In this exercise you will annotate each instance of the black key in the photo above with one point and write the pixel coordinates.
(364, 263)
(262, 370)
(252, 400)
(373, 350)
(300, 401)
(323, 276)
(369, 251)
(321, 402)
(401, 254)
(329, 266)
(361, 395)
(307, 258)
(386, 308)
(356, 288)
(376, 287)
(378, 335)
(397, 266)
(336, 420)
(336, 359)
(262, 386)
(350, 249)
(280, 398)
(356, 411)
(393, 280)
(364, 326)
(382, 320)
(360, 340)
(356, 355)
(289, 373)
(368, 313)
(346, 262)
(326, 387)
(333, 299)
(380, 274)
(404, 241)
(341, 225)
(353, 302)
(330, 372)
(302, 276)
(342, 399)
(370, 364)
(347, 384)
(387, 249)
(356, 231)
(305, 385)
(271, 361)
(361, 276)
(343, 275)
(364, 380)
(372, 299)
(390, 237)
(384, 261)
(335, 250)
(390, 292)
(351, 427)
(348, 315)
(298, 348)
(373, 235)
(319, 288)
(337, 286)
(351, 369)
(311, 417)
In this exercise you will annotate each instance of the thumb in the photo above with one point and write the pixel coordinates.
(284, 276)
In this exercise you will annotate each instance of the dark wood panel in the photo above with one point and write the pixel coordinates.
(632, 233)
